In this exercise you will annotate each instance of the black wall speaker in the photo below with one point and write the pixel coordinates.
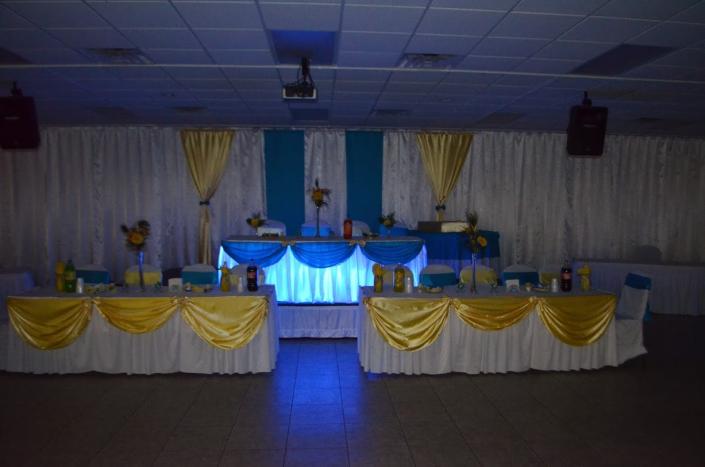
(18, 123)
(586, 130)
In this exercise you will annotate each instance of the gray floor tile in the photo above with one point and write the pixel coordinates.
(253, 458)
(316, 457)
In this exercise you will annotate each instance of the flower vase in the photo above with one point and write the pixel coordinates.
(140, 267)
(318, 221)
(473, 284)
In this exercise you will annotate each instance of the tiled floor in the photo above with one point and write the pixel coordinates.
(319, 409)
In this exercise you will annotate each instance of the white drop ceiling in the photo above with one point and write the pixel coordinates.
(214, 63)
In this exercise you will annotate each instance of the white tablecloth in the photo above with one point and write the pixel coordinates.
(676, 289)
(13, 282)
(462, 348)
(172, 348)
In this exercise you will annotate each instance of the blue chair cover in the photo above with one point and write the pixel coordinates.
(394, 231)
(524, 277)
(390, 252)
(261, 253)
(438, 280)
(310, 230)
(323, 254)
(93, 277)
(195, 277)
(636, 281)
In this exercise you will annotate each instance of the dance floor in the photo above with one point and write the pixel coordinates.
(319, 408)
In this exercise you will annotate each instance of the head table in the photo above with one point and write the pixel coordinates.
(425, 333)
(142, 332)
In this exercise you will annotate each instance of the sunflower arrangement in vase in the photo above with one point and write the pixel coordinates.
(476, 242)
(388, 221)
(136, 240)
(255, 221)
(320, 197)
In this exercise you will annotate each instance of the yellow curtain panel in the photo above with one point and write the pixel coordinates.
(443, 156)
(137, 315)
(227, 323)
(207, 156)
(408, 324)
(47, 323)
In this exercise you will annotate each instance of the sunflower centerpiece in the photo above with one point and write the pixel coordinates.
(476, 243)
(388, 221)
(256, 221)
(136, 240)
(320, 197)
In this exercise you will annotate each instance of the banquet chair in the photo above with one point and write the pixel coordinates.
(437, 275)
(199, 274)
(359, 228)
(389, 273)
(152, 275)
(485, 276)
(525, 274)
(632, 311)
(549, 272)
(272, 227)
(308, 229)
(241, 271)
(93, 274)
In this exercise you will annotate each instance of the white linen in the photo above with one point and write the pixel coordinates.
(675, 288)
(324, 159)
(13, 282)
(172, 348)
(462, 348)
(630, 339)
(320, 321)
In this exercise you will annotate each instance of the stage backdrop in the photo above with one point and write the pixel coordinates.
(68, 198)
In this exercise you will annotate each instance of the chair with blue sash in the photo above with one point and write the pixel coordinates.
(437, 275)
(525, 274)
(272, 227)
(360, 228)
(93, 274)
(632, 311)
(199, 274)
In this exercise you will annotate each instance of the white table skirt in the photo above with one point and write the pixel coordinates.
(318, 321)
(676, 289)
(462, 348)
(172, 348)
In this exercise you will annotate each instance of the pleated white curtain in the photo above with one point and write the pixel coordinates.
(324, 159)
(548, 207)
(68, 198)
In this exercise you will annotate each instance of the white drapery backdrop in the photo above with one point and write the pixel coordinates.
(68, 198)
(549, 207)
(324, 159)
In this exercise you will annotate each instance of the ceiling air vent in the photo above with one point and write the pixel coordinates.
(437, 61)
(119, 56)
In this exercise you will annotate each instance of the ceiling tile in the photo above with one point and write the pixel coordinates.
(694, 14)
(576, 7)
(53, 56)
(180, 73)
(373, 42)
(227, 15)
(476, 4)
(534, 25)
(363, 75)
(179, 57)
(28, 39)
(382, 19)
(301, 17)
(441, 44)
(607, 29)
(368, 59)
(139, 14)
(684, 57)
(509, 47)
(417, 76)
(59, 14)
(651, 9)
(540, 65)
(468, 78)
(9, 19)
(358, 86)
(232, 39)
(242, 57)
(162, 38)
(251, 73)
(460, 22)
(92, 38)
(490, 63)
(573, 50)
(671, 35)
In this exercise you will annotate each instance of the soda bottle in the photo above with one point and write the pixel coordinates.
(252, 277)
(566, 277)
(70, 278)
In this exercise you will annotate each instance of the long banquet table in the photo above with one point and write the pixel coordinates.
(676, 288)
(322, 270)
(486, 333)
(142, 332)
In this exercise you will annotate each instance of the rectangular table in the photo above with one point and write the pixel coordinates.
(521, 339)
(142, 332)
(676, 288)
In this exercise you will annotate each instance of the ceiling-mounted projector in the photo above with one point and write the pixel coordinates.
(303, 88)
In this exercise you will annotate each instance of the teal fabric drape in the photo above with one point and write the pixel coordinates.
(364, 154)
(284, 166)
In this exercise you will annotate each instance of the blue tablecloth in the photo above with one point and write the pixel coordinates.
(453, 245)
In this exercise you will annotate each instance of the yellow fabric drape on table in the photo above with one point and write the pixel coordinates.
(207, 155)
(49, 323)
(137, 315)
(492, 314)
(225, 322)
(408, 324)
(443, 156)
(577, 320)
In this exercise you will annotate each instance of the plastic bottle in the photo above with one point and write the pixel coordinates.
(566, 277)
(70, 278)
(224, 278)
(399, 274)
(59, 275)
(252, 277)
(347, 229)
(409, 285)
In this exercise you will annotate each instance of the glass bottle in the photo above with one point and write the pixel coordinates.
(252, 277)
(399, 274)
(566, 277)
(347, 229)
(70, 278)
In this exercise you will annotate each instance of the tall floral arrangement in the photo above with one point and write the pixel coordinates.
(320, 195)
(476, 242)
(387, 220)
(137, 235)
(255, 221)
